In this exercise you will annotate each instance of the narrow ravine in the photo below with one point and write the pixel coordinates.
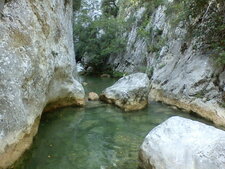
(98, 136)
(170, 56)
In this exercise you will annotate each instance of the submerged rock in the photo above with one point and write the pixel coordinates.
(105, 75)
(180, 143)
(84, 83)
(129, 92)
(93, 96)
(37, 68)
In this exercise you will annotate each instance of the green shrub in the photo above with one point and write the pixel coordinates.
(117, 74)
(157, 44)
(110, 8)
(99, 39)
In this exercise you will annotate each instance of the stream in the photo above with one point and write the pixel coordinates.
(99, 136)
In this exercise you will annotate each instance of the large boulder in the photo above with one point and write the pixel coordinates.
(37, 68)
(180, 143)
(129, 92)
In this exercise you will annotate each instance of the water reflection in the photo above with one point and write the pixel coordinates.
(99, 136)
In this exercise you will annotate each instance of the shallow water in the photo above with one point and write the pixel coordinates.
(99, 136)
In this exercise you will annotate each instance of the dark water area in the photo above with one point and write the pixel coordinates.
(99, 136)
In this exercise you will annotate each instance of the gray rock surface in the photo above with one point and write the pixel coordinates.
(37, 68)
(129, 92)
(182, 74)
(180, 143)
(135, 57)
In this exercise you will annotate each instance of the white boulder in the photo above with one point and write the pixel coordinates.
(180, 143)
(129, 92)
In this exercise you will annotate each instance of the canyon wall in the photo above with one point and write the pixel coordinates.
(37, 69)
(183, 68)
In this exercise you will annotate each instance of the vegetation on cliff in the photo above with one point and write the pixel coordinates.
(206, 22)
(97, 39)
(105, 36)
(203, 19)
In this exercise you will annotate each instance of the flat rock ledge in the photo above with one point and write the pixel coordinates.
(209, 110)
(180, 143)
(129, 93)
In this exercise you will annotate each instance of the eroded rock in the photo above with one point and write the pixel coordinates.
(129, 92)
(37, 68)
(180, 143)
(182, 73)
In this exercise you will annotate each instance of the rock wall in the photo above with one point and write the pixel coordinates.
(182, 72)
(37, 68)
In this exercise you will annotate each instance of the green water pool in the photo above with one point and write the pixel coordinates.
(99, 136)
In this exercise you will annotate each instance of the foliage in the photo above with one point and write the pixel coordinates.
(222, 104)
(142, 27)
(98, 39)
(206, 22)
(162, 65)
(151, 4)
(181, 10)
(117, 74)
(221, 56)
(110, 8)
(103, 37)
(200, 94)
(153, 38)
(215, 38)
(155, 46)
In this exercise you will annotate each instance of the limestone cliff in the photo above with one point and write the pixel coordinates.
(179, 60)
(37, 68)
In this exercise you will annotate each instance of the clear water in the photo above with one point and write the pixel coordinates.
(99, 136)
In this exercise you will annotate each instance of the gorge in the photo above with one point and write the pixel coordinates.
(178, 44)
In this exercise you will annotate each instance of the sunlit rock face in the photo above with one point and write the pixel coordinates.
(182, 72)
(182, 143)
(129, 93)
(37, 68)
(136, 53)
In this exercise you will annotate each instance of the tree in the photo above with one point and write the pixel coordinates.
(98, 39)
